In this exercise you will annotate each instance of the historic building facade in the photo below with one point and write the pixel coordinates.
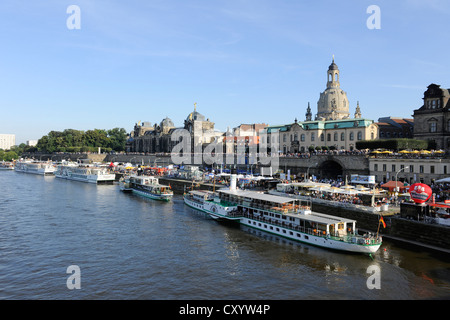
(432, 119)
(393, 128)
(332, 127)
(157, 138)
(333, 102)
(410, 170)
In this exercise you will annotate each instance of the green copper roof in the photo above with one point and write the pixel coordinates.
(324, 125)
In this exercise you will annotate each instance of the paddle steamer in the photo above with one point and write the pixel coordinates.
(283, 216)
(146, 186)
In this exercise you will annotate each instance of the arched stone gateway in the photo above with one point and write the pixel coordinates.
(330, 169)
(326, 166)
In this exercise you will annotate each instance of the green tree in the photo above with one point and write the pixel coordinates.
(118, 139)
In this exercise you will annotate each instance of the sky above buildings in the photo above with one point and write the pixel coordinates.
(241, 61)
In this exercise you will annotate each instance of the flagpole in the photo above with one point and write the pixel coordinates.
(379, 222)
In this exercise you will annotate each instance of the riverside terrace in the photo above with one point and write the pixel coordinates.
(320, 163)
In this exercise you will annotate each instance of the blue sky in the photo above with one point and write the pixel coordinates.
(242, 61)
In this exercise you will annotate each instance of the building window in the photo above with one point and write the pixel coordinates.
(335, 136)
(393, 168)
(421, 169)
(445, 169)
(384, 168)
(411, 168)
(329, 137)
(342, 136)
(433, 126)
(359, 135)
(431, 169)
(313, 136)
(322, 137)
(352, 136)
(375, 167)
(284, 137)
(302, 137)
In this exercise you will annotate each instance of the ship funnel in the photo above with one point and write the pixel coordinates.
(233, 182)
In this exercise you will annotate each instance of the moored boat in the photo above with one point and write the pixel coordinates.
(286, 217)
(5, 165)
(35, 167)
(85, 173)
(146, 186)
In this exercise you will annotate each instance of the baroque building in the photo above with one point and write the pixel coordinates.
(146, 138)
(332, 127)
(333, 102)
(432, 119)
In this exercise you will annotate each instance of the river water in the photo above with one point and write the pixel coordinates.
(128, 247)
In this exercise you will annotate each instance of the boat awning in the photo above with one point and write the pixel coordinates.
(444, 180)
(253, 195)
(321, 218)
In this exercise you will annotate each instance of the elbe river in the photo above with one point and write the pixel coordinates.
(128, 247)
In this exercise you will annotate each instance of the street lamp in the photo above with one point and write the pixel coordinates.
(397, 188)
(307, 171)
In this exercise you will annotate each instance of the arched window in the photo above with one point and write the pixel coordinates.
(322, 137)
(359, 135)
(329, 137)
(342, 136)
(335, 136)
(352, 136)
(302, 137)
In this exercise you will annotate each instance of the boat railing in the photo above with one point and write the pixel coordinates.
(349, 237)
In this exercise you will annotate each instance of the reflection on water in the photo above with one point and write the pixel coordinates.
(129, 247)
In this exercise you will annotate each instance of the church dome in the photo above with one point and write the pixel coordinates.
(167, 123)
(333, 102)
(194, 115)
(333, 66)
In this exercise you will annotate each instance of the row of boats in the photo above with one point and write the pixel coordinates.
(283, 216)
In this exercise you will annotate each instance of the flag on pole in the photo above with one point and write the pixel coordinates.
(382, 221)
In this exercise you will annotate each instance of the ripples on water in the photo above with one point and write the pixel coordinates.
(128, 247)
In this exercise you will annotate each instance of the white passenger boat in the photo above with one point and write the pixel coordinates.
(286, 217)
(146, 186)
(6, 165)
(85, 173)
(36, 167)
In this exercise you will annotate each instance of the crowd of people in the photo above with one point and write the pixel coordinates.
(441, 191)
